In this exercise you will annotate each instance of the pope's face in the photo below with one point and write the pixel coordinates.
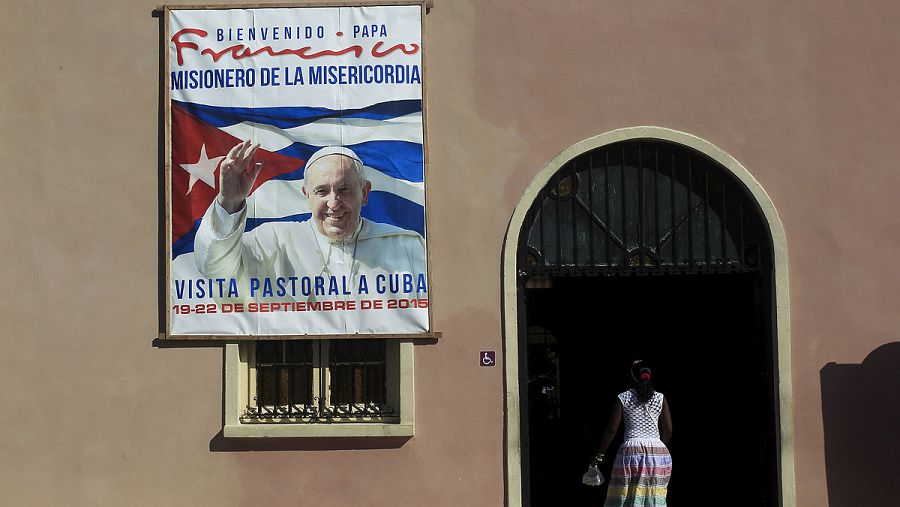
(335, 194)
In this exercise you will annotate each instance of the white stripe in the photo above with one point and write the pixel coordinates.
(409, 190)
(277, 198)
(331, 132)
(280, 198)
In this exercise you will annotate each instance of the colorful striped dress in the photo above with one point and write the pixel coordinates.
(640, 474)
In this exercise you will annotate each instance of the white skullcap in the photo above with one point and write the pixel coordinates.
(333, 150)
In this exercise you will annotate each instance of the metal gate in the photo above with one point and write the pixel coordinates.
(642, 207)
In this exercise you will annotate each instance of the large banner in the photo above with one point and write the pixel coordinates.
(296, 178)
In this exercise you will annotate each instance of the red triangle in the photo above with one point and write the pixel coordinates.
(189, 135)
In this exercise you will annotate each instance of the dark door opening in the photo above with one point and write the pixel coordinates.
(648, 249)
(708, 338)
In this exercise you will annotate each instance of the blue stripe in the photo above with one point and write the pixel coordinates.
(382, 207)
(185, 243)
(287, 117)
(253, 223)
(388, 208)
(397, 159)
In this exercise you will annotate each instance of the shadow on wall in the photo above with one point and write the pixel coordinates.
(221, 444)
(861, 413)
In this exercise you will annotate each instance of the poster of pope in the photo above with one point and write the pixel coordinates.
(296, 173)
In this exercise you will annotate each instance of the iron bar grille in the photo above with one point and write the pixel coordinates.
(358, 380)
(319, 381)
(642, 208)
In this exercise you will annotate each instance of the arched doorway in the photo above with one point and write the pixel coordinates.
(648, 243)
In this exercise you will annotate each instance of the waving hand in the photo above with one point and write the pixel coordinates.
(236, 176)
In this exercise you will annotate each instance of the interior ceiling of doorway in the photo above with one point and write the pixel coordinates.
(642, 207)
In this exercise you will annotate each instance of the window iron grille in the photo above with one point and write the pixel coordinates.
(639, 207)
(319, 381)
(357, 386)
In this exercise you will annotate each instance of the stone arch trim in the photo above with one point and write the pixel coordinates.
(781, 305)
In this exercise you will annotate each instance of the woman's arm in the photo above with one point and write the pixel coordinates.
(612, 427)
(665, 423)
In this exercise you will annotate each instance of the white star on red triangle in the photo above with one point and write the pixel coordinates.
(204, 170)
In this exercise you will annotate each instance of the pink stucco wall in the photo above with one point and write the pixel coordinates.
(804, 95)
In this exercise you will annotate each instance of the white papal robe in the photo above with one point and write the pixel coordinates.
(292, 261)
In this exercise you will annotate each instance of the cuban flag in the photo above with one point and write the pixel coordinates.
(386, 136)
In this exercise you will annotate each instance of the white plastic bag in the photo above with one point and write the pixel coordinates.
(593, 476)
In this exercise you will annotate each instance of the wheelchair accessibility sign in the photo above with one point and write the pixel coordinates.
(488, 357)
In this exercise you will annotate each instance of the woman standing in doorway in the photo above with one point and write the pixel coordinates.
(640, 474)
